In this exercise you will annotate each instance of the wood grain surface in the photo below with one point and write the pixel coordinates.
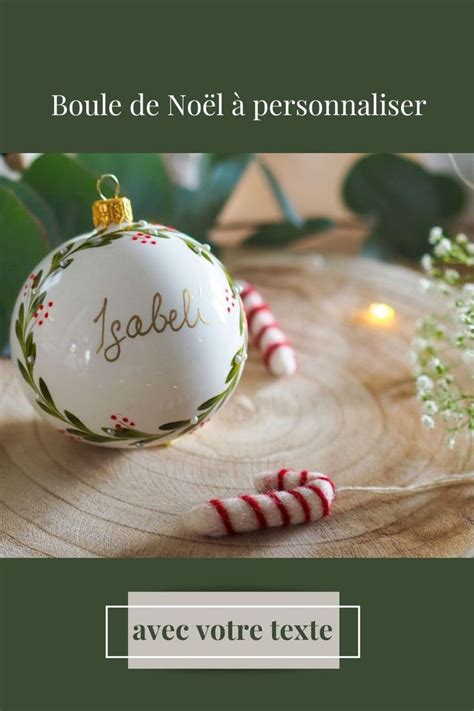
(349, 412)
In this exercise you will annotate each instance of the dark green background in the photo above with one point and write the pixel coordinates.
(417, 641)
(298, 49)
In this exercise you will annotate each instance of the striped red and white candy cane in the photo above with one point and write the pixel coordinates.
(265, 333)
(286, 479)
(250, 512)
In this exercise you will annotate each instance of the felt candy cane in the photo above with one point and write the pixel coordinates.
(291, 497)
(286, 479)
(302, 504)
(265, 334)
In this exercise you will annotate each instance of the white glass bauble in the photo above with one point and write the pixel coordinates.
(129, 337)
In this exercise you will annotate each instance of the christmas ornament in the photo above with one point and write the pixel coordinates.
(130, 336)
(266, 335)
(301, 504)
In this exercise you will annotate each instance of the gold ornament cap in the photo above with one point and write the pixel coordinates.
(108, 211)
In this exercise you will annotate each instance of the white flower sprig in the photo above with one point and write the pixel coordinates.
(443, 350)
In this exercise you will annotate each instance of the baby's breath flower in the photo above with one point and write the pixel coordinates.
(468, 356)
(443, 348)
(430, 407)
(427, 422)
(437, 365)
(420, 344)
(451, 275)
(427, 262)
(424, 383)
(443, 247)
(444, 288)
(435, 234)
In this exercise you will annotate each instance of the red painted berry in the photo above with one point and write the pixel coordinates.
(125, 419)
(40, 323)
(132, 424)
(113, 417)
(46, 315)
(50, 303)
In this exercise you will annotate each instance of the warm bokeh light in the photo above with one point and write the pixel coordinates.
(378, 314)
(381, 312)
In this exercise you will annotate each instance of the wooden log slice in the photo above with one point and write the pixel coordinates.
(350, 412)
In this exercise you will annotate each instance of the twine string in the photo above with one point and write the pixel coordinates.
(440, 483)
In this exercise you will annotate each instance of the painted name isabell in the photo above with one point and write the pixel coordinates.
(114, 332)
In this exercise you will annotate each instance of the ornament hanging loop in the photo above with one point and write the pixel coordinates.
(111, 211)
(115, 181)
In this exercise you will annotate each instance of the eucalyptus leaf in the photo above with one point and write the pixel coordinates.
(38, 207)
(404, 201)
(403, 240)
(212, 195)
(282, 234)
(211, 160)
(385, 183)
(451, 196)
(376, 247)
(68, 187)
(143, 178)
(23, 246)
(183, 198)
(289, 212)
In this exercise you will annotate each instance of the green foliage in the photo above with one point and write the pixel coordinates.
(143, 179)
(67, 187)
(404, 201)
(218, 182)
(23, 244)
(39, 209)
(52, 203)
(281, 234)
(289, 212)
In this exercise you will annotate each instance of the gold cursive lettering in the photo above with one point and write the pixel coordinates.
(159, 322)
(101, 314)
(115, 346)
